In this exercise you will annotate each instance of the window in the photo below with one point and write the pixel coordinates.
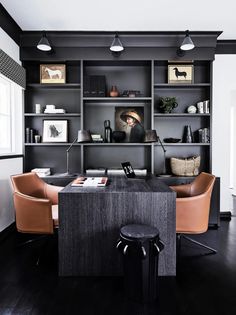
(10, 111)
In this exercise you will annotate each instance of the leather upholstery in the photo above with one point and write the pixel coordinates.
(193, 204)
(35, 204)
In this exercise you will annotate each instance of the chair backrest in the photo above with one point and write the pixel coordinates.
(29, 184)
(202, 184)
(32, 207)
(192, 212)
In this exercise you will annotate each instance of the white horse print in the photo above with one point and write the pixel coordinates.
(54, 74)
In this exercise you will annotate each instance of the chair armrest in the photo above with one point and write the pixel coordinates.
(182, 190)
(51, 192)
(33, 215)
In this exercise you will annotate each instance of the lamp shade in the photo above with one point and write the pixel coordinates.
(150, 136)
(44, 44)
(187, 43)
(84, 136)
(116, 45)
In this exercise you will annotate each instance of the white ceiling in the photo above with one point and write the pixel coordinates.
(125, 15)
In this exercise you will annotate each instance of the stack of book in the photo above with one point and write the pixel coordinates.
(51, 109)
(29, 135)
(54, 111)
(119, 171)
(90, 182)
(97, 138)
(42, 172)
(96, 171)
(204, 135)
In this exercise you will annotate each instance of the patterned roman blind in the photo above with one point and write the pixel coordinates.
(11, 69)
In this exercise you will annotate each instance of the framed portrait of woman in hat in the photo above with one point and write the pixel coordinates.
(130, 120)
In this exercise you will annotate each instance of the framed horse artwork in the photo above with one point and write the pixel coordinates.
(55, 130)
(180, 74)
(53, 74)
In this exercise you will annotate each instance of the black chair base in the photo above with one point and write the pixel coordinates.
(179, 236)
(42, 238)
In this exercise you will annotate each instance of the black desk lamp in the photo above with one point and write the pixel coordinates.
(151, 136)
(67, 157)
(83, 136)
(164, 164)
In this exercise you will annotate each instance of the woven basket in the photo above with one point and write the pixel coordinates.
(185, 166)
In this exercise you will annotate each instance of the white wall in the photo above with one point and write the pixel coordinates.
(8, 166)
(9, 46)
(224, 126)
(123, 15)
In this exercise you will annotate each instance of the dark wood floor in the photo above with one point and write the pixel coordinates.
(205, 284)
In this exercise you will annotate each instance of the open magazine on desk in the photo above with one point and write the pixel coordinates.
(84, 181)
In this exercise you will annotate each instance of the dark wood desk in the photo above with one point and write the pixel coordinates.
(90, 220)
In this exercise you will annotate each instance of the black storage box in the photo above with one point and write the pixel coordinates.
(95, 86)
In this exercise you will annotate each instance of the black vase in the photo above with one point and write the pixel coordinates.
(188, 135)
(107, 131)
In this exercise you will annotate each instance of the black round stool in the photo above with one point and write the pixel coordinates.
(140, 246)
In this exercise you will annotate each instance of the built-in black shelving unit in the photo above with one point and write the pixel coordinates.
(143, 66)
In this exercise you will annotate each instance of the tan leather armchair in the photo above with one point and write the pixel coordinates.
(193, 207)
(36, 204)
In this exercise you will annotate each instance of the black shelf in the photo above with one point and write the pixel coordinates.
(184, 144)
(117, 144)
(54, 86)
(52, 115)
(117, 99)
(181, 85)
(67, 144)
(180, 115)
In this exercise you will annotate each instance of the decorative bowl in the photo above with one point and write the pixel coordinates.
(171, 140)
(118, 136)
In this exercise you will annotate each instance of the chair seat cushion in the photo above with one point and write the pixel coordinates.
(55, 215)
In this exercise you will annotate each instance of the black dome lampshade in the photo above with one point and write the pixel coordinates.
(44, 44)
(150, 136)
(116, 45)
(186, 45)
(84, 136)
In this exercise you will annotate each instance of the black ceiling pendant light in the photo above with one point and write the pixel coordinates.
(44, 44)
(186, 45)
(116, 46)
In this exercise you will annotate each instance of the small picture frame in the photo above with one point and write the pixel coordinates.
(128, 170)
(182, 74)
(52, 74)
(55, 130)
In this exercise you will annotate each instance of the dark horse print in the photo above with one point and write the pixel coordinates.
(180, 73)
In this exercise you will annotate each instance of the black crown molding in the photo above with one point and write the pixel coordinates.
(138, 45)
(226, 47)
(129, 39)
(9, 25)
